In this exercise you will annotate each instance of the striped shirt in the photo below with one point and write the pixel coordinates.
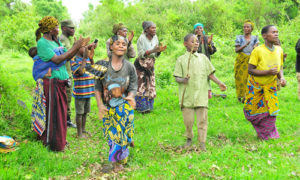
(83, 84)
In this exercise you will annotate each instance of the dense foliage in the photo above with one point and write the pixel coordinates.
(174, 19)
(19, 21)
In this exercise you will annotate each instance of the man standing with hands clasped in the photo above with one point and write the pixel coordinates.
(68, 30)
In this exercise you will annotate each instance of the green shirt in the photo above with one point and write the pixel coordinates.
(67, 44)
(196, 93)
(45, 52)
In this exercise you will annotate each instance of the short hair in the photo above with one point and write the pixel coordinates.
(266, 29)
(188, 36)
(32, 52)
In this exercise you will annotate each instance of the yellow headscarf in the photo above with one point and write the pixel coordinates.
(46, 25)
(248, 21)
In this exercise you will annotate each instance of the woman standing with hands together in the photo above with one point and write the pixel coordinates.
(244, 45)
(148, 49)
(54, 129)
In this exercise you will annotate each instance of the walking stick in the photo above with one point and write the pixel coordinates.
(187, 75)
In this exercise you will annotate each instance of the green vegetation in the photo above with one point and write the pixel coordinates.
(233, 150)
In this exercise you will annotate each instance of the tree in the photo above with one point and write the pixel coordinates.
(51, 8)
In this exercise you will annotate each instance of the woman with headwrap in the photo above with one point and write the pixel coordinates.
(148, 49)
(206, 45)
(244, 45)
(54, 88)
(121, 30)
(115, 99)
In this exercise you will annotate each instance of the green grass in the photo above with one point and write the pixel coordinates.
(233, 151)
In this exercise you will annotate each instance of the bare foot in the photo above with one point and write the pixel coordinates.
(202, 147)
(188, 143)
(118, 167)
(80, 136)
(86, 132)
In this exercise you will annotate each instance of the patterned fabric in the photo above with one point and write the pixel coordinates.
(144, 104)
(264, 125)
(261, 98)
(241, 74)
(83, 84)
(56, 114)
(7, 144)
(38, 115)
(118, 127)
(146, 77)
(248, 21)
(46, 25)
(241, 41)
(97, 70)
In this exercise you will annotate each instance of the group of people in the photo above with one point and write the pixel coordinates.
(121, 87)
(258, 76)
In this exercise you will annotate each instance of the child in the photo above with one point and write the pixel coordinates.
(32, 53)
(191, 72)
(41, 68)
(83, 88)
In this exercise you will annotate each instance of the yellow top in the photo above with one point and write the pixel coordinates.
(265, 59)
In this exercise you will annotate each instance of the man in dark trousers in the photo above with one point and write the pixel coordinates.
(68, 30)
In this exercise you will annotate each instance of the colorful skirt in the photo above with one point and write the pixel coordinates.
(241, 74)
(144, 104)
(38, 115)
(261, 108)
(55, 132)
(118, 127)
(264, 125)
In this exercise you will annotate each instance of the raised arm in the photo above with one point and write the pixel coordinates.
(70, 53)
(130, 51)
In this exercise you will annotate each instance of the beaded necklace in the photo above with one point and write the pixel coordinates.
(271, 49)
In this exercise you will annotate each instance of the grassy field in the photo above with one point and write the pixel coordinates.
(233, 151)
